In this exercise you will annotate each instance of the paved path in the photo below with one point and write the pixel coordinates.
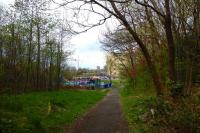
(106, 117)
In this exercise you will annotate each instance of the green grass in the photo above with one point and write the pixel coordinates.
(133, 104)
(45, 111)
(105, 81)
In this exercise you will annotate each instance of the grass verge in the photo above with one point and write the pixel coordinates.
(45, 111)
(146, 113)
(134, 107)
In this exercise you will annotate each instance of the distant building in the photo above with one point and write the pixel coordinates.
(98, 67)
(112, 66)
(98, 70)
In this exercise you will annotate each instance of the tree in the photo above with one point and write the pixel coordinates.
(149, 14)
(32, 54)
(122, 12)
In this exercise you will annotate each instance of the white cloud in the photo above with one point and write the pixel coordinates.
(92, 59)
(7, 1)
(88, 59)
(86, 38)
(88, 49)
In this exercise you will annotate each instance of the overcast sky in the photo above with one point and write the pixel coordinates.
(87, 48)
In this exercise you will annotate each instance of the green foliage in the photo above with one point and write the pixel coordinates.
(174, 118)
(134, 108)
(147, 113)
(31, 50)
(134, 94)
(177, 90)
(11, 105)
(44, 111)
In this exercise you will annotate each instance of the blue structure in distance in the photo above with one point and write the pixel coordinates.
(89, 83)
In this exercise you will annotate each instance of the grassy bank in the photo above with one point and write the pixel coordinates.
(134, 105)
(134, 109)
(146, 113)
(44, 111)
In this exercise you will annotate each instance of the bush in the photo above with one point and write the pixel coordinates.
(170, 117)
(177, 90)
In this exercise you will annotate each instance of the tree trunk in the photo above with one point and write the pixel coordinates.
(29, 55)
(188, 77)
(170, 41)
(38, 57)
(58, 64)
(50, 67)
(156, 78)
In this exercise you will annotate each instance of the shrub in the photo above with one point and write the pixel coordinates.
(169, 117)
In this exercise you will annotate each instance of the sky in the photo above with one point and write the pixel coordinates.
(6, 2)
(86, 46)
(88, 52)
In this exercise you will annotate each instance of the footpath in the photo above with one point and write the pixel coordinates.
(105, 117)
